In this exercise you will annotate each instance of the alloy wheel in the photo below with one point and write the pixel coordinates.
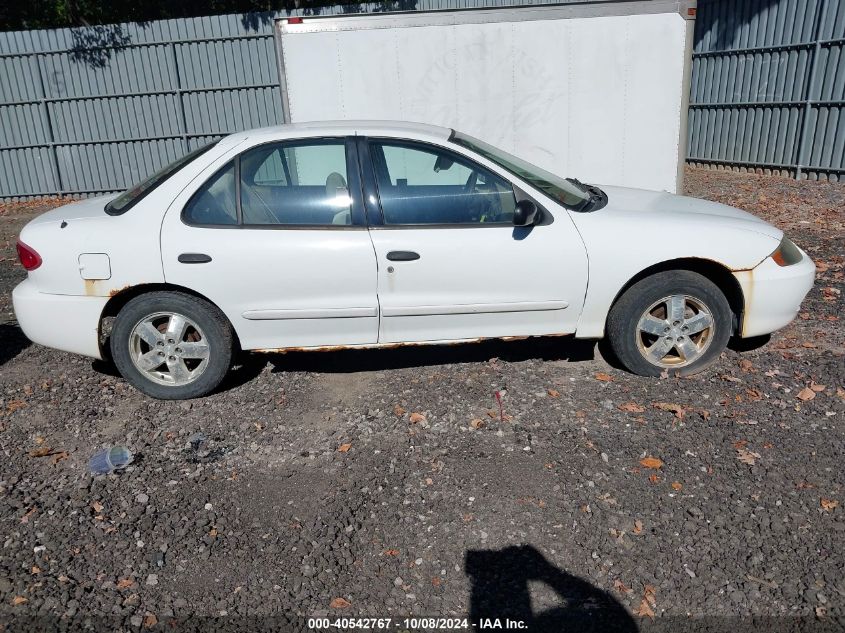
(168, 348)
(675, 331)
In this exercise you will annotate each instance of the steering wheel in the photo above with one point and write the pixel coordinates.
(486, 207)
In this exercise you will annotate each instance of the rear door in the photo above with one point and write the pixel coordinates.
(276, 238)
(451, 265)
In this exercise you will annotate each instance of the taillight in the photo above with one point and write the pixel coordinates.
(30, 259)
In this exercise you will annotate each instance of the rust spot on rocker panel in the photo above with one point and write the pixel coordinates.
(337, 348)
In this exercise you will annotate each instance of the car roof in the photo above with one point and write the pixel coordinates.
(344, 128)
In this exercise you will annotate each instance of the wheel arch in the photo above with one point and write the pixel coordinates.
(123, 296)
(718, 273)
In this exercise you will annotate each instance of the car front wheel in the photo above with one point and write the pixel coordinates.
(675, 321)
(171, 345)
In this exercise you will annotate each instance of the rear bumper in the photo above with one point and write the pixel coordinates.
(773, 294)
(65, 322)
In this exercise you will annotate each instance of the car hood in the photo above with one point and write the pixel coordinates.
(86, 209)
(640, 201)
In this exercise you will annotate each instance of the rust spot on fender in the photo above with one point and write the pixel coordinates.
(117, 291)
(99, 288)
(745, 277)
(91, 289)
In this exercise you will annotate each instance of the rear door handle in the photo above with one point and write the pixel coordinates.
(402, 256)
(194, 258)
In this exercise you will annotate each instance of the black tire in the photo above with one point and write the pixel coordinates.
(626, 341)
(216, 333)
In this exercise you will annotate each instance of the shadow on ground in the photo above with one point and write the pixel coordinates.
(550, 348)
(354, 360)
(553, 348)
(500, 589)
(749, 344)
(12, 342)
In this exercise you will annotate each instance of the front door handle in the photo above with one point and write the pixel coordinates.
(194, 258)
(402, 256)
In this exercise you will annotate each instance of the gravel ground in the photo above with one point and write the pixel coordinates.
(391, 483)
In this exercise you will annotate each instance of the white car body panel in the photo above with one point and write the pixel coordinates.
(70, 323)
(315, 287)
(286, 287)
(131, 241)
(480, 282)
(773, 294)
(661, 227)
(88, 230)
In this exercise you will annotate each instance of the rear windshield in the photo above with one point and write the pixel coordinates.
(131, 197)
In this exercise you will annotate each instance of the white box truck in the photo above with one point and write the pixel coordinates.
(592, 90)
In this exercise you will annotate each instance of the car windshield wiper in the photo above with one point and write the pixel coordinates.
(597, 197)
(578, 183)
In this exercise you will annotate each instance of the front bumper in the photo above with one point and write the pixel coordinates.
(773, 294)
(65, 322)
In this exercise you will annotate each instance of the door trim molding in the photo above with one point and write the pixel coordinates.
(310, 313)
(473, 308)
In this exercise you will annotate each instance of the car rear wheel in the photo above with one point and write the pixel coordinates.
(675, 321)
(171, 345)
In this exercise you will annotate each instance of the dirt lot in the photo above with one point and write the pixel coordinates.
(390, 484)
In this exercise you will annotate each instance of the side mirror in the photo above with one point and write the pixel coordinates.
(525, 213)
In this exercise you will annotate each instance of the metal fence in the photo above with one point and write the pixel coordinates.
(768, 87)
(84, 117)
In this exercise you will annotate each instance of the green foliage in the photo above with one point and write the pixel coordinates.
(43, 14)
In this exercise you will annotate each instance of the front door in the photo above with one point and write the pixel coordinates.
(451, 265)
(276, 238)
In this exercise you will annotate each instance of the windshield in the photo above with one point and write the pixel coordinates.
(565, 192)
(131, 197)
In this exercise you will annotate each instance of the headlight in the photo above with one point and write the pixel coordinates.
(787, 253)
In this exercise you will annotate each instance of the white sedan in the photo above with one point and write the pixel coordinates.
(376, 234)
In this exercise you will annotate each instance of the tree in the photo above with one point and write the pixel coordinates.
(42, 14)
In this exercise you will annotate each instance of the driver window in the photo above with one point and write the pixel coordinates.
(414, 167)
(425, 185)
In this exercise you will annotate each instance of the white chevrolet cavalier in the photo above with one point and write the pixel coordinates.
(370, 234)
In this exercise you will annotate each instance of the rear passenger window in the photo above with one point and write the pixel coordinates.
(215, 202)
(295, 183)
